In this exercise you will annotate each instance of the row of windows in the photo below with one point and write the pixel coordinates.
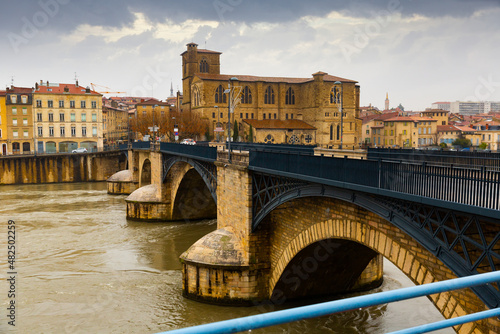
(24, 99)
(62, 131)
(14, 111)
(50, 104)
(269, 96)
(15, 133)
(245, 96)
(264, 116)
(83, 117)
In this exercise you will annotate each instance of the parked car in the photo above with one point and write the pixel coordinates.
(188, 141)
(79, 150)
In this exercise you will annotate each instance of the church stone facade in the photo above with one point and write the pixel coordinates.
(280, 110)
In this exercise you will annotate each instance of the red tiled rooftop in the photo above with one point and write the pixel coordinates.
(59, 89)
(443, 128)
(378, 117)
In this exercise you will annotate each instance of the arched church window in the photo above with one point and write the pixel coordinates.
(203, 66)
(290, 96)
(196, 96)
(335, 95)
(246, 96)
(269, 96)
(220, 97)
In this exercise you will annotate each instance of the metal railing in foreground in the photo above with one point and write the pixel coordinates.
(349, 304)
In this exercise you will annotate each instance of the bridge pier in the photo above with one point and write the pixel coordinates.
(149, 202)
(234, 264)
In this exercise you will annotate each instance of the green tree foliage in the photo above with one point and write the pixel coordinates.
(443, 145)
(483, 146)
(250, 135)
(463, 142)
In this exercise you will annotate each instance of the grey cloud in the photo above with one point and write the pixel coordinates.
(67, 14)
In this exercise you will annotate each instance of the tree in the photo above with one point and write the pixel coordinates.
(191, 125)
(250, 135)
(483, 146)
(462, 142)
(443, 145)
(235, 131)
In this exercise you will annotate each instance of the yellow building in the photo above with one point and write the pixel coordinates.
(410, 131)
(19, 118)
(67, 116)
(3, 124)
(373, 127)
(440, 115)
(448, 134)
(115, 124)
(315, 101)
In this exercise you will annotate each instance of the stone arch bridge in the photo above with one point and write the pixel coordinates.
(292, 223)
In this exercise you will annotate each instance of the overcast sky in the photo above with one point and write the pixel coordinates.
(419, 52)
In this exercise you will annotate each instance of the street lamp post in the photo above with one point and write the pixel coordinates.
(229, 118)
(218, 121)
(341, 109)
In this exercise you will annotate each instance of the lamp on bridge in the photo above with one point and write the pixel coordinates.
(341, 110)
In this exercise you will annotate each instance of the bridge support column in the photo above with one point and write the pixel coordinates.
(148, 203)
(126, 181)
(222, 267)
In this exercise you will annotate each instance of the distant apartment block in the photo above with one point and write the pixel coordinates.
(468, 107)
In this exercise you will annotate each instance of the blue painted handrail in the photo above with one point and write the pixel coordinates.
(322, 309)
(450, 322)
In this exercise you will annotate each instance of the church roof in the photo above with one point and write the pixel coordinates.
(252, 78)
(204, 51)
(292, 124)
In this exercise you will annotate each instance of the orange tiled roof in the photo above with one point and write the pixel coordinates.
(379, 117)
(152, 102)
(59, 89)
(251, 78)
(465, 128)
(442, 128)
(293, 124)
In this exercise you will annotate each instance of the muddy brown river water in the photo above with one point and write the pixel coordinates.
(83, 268)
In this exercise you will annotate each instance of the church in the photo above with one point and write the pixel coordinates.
(277, 110)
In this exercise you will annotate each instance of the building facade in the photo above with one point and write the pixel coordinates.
(19, 119)
(115, 124)
(67, 116)
(315, 101)
(152, 112)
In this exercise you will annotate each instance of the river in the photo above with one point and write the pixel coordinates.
(83, 268)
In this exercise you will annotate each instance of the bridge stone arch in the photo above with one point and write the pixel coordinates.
(191, 187)
(326, 218)
(145, 173)
(206, 170)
